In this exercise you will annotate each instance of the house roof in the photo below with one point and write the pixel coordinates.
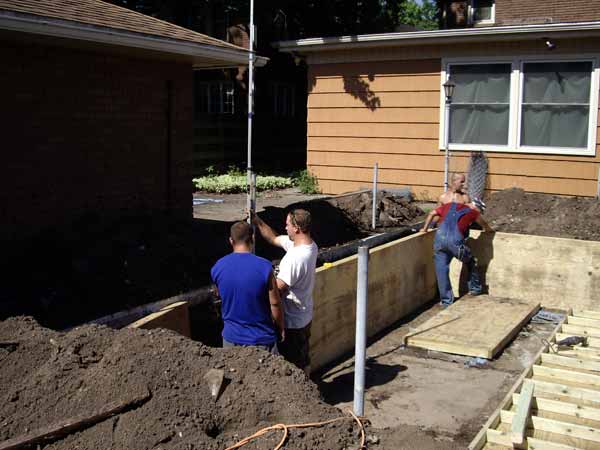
(579, 29)
(99, 21)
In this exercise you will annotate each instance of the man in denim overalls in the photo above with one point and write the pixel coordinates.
(455, 220)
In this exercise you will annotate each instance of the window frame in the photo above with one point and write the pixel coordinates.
(471, 15)
(515, 108)
(225, 87)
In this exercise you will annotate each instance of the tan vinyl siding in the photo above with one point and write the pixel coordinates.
(388, 112)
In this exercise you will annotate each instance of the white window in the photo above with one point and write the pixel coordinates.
(283, 97)
(482, 12)
(523, 105)
(215, 97)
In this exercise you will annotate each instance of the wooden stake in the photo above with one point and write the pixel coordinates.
(72, 424)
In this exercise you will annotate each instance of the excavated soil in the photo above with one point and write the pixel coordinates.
(515, 211)
(46, 377)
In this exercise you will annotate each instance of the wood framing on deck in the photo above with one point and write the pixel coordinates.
(565, 406)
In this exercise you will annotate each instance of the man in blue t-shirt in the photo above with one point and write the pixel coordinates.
(251, 306)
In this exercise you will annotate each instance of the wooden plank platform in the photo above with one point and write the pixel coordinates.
(474, 326)
(565, 408)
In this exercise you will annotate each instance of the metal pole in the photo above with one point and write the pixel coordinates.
(447, 138)
(362, 285)
(375, 170)
(249, 204)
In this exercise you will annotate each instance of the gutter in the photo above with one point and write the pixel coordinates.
(90, 33)
(580, 29)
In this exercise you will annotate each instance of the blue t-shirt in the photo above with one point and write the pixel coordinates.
(243, 282)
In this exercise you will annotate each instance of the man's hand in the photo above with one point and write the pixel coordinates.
(282, 335)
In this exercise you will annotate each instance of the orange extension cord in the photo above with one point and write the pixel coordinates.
(285, 428)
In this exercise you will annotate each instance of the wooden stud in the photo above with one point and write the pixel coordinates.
(573, 363)
(587, 314)
(567, 391)
(563, 408)
(538, 444)
(519, 422)
(557, 427)
(584, 322)
(562, 375)
(580, 331)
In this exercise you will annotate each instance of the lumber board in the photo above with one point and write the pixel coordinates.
(584, 322)
(65, 427)
(483, 327)
(579, 330)
(592, 342)
(480, 439)
(557, 427)
(562, 375)
(519, 420)
(581, 353)
(564, 411)
(567, 361)
(589, 395)
(587, 314)
(538, 444)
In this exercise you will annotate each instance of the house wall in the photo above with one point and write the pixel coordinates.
(511, 12)
(87, 132)
(383, 105)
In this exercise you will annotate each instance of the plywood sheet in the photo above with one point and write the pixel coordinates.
(474, 326)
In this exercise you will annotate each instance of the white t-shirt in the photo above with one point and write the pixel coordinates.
(297, 270)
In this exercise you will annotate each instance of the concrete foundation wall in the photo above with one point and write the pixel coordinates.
(558, 273)
(401, 279)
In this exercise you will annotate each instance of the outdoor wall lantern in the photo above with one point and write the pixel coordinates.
(449, 92)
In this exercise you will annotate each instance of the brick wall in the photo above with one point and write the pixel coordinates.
(514, 12)
(86, 131)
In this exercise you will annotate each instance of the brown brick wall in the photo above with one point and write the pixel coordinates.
(85, 131)
(514, 12)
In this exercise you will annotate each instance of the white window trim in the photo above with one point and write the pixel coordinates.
(515, 106)
(471, 15)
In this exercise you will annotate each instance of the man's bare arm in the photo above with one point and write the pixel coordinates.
(276, 306)
(282, 287)
(484, 225)
(430, 217)
(265, 230)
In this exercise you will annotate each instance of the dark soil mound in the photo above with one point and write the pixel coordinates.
(49, 376)
(392, 210)
(515, 211)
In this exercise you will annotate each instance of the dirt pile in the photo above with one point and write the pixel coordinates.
(515, 211)
(392, 210)
(46, 377)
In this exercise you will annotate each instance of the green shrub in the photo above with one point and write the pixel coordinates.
(229, 184)
(307, 182)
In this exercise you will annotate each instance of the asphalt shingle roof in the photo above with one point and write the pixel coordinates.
(98, 13)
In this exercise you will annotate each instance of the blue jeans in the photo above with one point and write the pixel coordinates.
(444, 251)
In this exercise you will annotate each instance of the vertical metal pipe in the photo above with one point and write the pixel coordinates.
(374, 218)
(253, 201)
(250, 108)
(447, 142)
(362, 286)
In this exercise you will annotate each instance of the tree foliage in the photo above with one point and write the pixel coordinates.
(423, 16)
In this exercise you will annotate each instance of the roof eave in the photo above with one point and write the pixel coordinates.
(525, 32)
(110, 36)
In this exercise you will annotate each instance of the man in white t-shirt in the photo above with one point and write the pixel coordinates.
(295, 280)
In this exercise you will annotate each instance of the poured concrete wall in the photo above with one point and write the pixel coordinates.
(401, 279)
(558, 273)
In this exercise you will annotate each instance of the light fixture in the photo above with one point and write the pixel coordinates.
(449, 89)
(549, 44)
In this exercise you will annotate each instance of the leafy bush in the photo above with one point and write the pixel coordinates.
(233, 183)
(306, 182)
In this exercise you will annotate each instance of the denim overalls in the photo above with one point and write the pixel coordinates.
(449, 242)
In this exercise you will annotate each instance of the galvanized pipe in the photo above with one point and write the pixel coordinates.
(362, 285)
(374, 218)
(249, 205)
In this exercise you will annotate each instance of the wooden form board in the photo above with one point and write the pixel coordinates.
(565, 408)
(474, 326)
